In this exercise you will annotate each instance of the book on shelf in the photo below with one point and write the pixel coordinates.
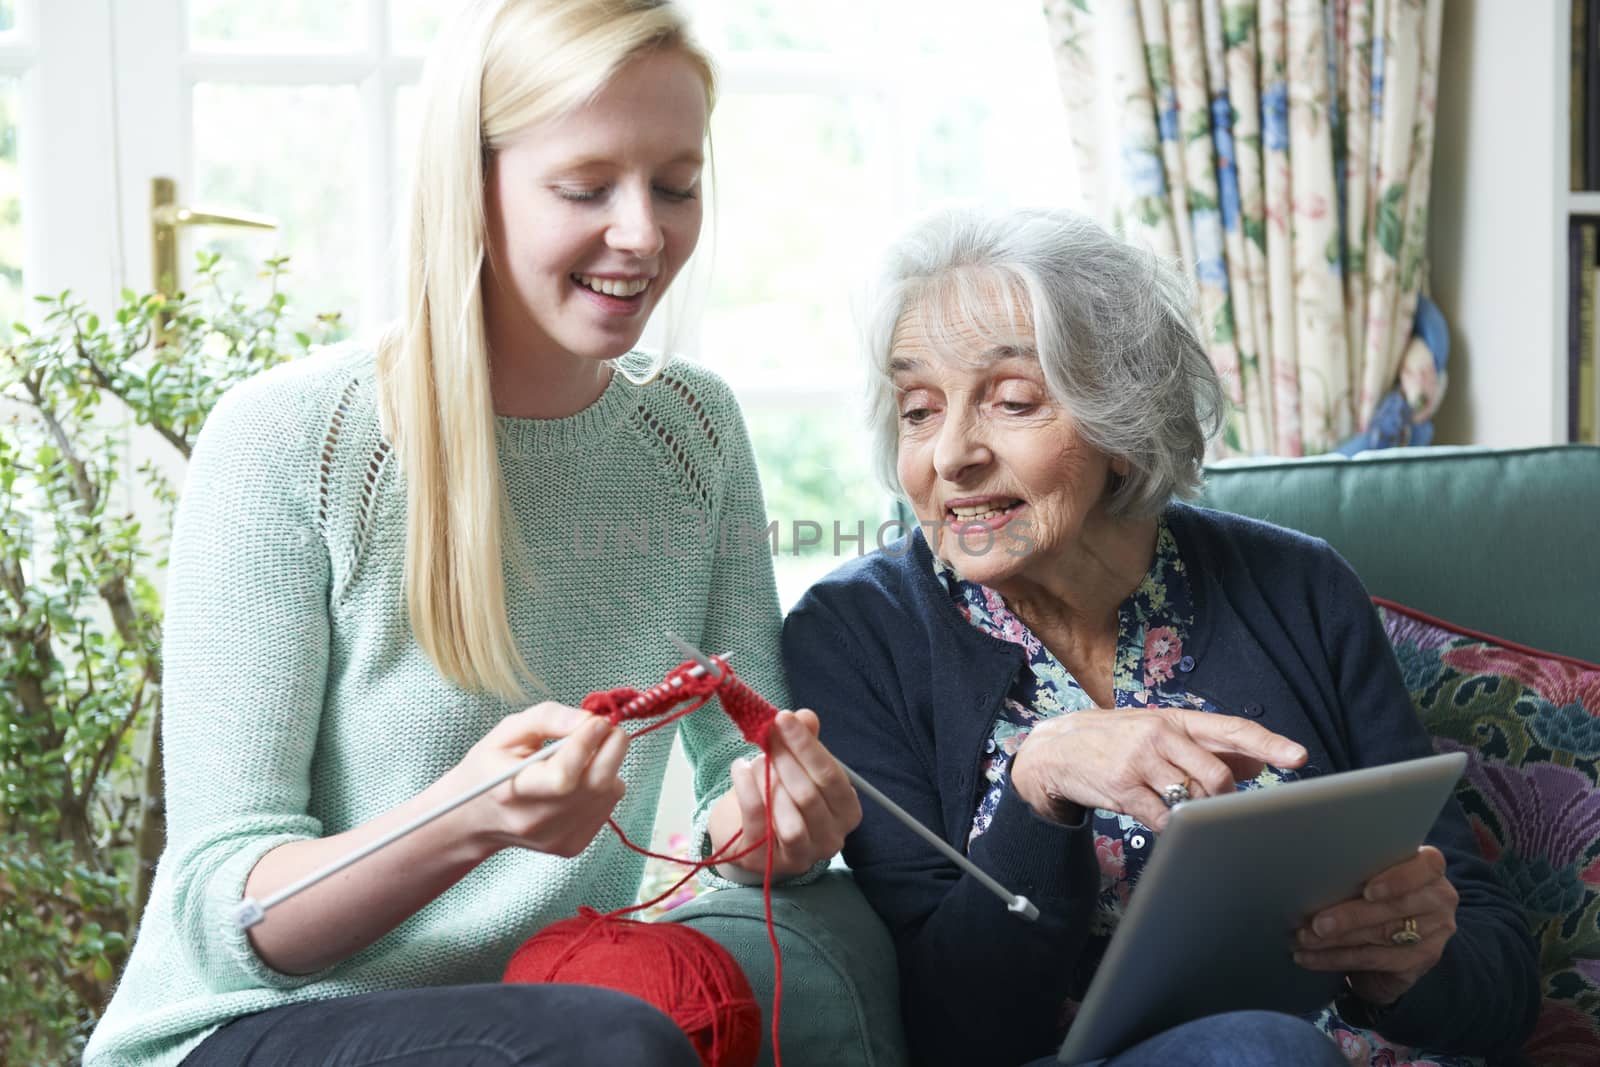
(1575, 108)
(1591, 92)
(1584, 397)
(1575, 338)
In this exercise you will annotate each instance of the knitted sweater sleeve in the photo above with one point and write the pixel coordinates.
(246, 659)
(742, 614)
(1482, 997)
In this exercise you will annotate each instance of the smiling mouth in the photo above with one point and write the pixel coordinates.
(984, 514)
(618, 288)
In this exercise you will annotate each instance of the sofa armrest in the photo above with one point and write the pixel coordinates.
(841, 988)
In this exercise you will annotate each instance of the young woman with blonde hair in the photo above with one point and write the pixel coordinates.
(383, 554)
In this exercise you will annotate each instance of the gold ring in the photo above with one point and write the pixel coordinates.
(1407, 934)
(1176, 793)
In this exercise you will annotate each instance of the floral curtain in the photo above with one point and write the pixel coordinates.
(1280, 149)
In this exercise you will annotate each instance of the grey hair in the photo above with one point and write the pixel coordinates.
(1112, 326)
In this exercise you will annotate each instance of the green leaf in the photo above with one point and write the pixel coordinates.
(1238, 24)
(1158, 57)
(1150, 210)
(1230, 436)
(1223, 332)
(1255, 231)
(1390, 227)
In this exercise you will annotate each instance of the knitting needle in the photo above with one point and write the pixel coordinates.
(248, 912)
(1015, 902)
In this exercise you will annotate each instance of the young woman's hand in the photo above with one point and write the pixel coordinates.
(813, 803)
(558, 804)
(1123, 759)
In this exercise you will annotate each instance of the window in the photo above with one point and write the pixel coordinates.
(838, 122)
(17, 54)
(333, 78)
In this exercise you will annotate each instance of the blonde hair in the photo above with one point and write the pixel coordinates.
(503, 66)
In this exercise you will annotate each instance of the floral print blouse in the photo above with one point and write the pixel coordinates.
(1149, 670)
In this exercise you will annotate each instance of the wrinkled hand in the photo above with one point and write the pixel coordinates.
(813, 803)
(1355, 936)
(557, 805)
(1121, 759)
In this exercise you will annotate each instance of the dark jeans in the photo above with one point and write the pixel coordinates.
(525, 1025)
(1237, 1039)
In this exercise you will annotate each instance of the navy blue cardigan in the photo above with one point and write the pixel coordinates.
(907, 691)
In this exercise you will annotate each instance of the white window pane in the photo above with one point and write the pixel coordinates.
(778, 25)
(12, 294)
(981, 104)
(413, 24)
(316, 192)
(407, 101)
(407, 105)
(972, 35)
(284, 25)
(818, 489)
(987, 149)
(794, 205)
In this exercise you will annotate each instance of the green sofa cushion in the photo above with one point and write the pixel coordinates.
(1504, 541)
(841, 1004)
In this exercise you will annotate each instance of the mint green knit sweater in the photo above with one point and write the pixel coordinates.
(299, 705)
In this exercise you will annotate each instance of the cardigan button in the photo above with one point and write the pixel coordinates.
(1253, 710)
(1186, 664)
(988, 745)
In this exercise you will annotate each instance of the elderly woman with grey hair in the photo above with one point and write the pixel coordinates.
(1062, 645)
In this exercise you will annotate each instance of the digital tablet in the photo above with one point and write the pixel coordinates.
(1210, 927)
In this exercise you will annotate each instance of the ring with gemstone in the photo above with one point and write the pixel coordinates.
(1407, 934)
(1175, 794)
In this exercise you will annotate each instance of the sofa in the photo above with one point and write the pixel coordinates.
(1486, 566)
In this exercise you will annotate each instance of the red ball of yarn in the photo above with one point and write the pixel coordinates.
(675, 967)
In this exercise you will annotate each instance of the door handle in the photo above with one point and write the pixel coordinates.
(165, 218)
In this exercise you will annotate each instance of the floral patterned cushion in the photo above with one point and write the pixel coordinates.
(1529, 722)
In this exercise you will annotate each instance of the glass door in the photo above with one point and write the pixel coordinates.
(293, 110)
(58, 220)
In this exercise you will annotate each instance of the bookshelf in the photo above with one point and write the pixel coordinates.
(1583, 205)
(1498, 215)
(1583, 398)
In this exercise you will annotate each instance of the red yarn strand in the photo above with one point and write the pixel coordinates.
(772, 931)
(753, 715)
(721, 855)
